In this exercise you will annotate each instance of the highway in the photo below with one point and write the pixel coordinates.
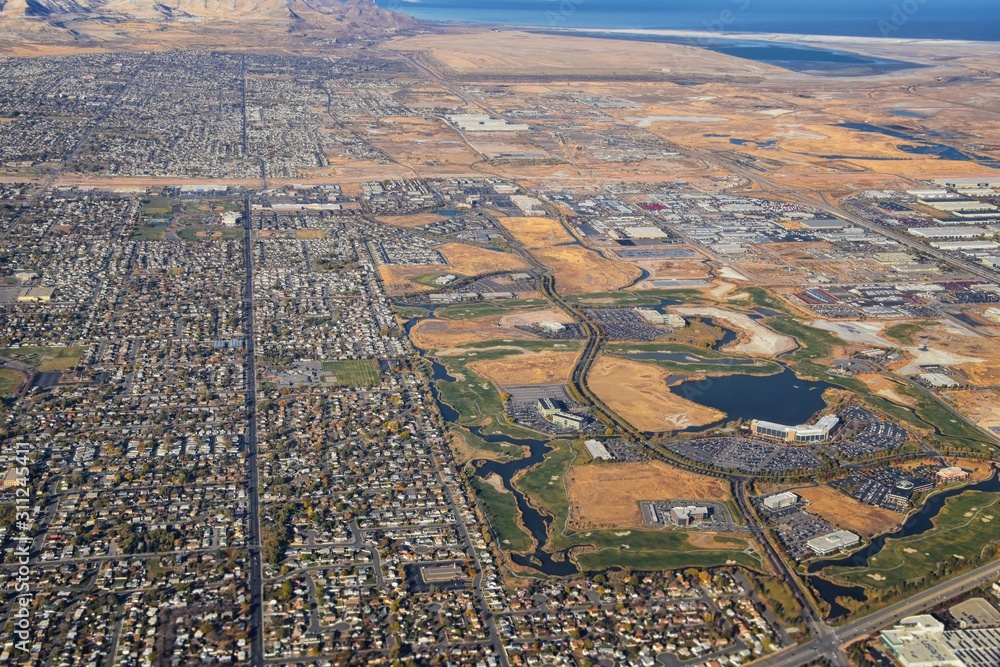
(256, 621)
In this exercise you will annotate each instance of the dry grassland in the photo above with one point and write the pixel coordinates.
(528, 369)
(441, 334)
(845, 512)
(980, 405)
(309, 234)
(608, 494)
(472, 261)
(415, 220)
(638, 392)
(537, 232)
(579, 270)
(886, 388)
(534, 317)
(398, 279)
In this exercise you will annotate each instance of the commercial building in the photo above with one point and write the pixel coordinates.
(779, 501)
(961, 232)
(567, 420)
(827, 544)
(987, 246)
(922, 641)
(975, 613)
(480, 122)
(951, 474)
(646, 232)
(802, 433)
(688, 515)
(552, 327)
(36, 294)
(548, 406)
(657, 318)
(596, 449)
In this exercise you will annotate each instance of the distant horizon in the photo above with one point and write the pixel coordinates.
(969, 20)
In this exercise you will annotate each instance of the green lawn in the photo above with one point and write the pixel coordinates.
(503, 513)
(45, 359)
(354, 372)
(10, 382)
(507, 452)
(158, 206)
(149, 233)
(963, 528)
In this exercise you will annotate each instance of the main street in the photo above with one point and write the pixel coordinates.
(256, 623)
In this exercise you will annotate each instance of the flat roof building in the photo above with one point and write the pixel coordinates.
(802, 433)
(567, 420)
(827, 544)
(781, 500)
(596, 449)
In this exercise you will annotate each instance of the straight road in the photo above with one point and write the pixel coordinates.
(256, 622)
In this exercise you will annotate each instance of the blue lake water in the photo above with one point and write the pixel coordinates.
(956, 19)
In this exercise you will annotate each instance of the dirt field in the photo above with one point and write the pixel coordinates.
(950, 345)
(579, 270)
(535, 368)
(847, 513)
(886, 388)
(310, 234)
(758, 340)
(537, 232)
(415, 220)
(534, 317)
(608, 494)
(980, 405)
(440, 334)
(638, 392)
(472, 261)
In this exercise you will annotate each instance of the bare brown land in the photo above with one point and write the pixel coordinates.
(534, 368)
(638, 392)
(472, 261)
(537, 232)
(415, 220)
(579, 270)
(607, 495)
(440, 334)
(399, 279)
(845, 512)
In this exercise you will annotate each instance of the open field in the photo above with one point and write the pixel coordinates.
(980, 405)
(414, 220)
(535, 316)
(537, 232)
(607, 495)
(966, 524)
(533, 368)
(472, 261)
(439, 334)
(578, 269)
(948, 345)
(845, 512)
(310, 234)
(638, 392)
(353, 372)
(401, 279)
(45, 359)
(10, 381)
(886, 388)
(466, 311)
(757, 339)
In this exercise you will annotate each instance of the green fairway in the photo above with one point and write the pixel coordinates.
(658, 550)
(503, 513)
(544, 484)
(10, 382)
(354, 372)
(45, 359)
(965, 526)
